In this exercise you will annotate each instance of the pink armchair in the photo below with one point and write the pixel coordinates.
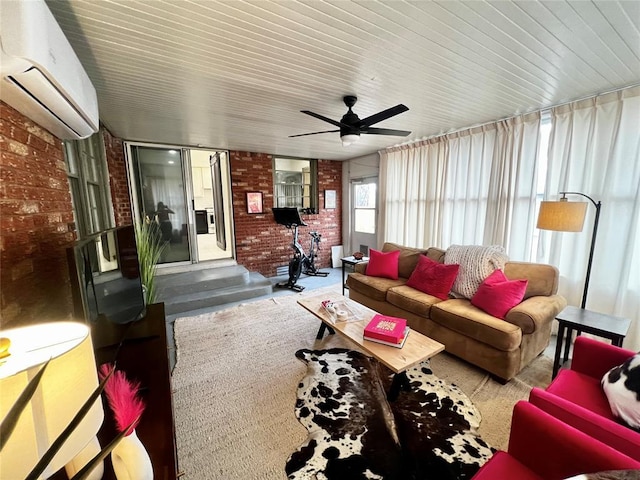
(576, 397)
(541, 447)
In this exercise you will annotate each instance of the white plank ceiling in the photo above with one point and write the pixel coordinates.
(235, 74)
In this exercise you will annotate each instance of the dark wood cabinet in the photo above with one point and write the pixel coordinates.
(140, 350)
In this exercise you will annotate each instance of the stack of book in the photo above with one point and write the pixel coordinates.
(392, 331)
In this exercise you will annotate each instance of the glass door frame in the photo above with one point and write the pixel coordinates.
(356, 237)
(136, 214)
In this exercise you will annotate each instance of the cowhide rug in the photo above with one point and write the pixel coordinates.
(355, 433)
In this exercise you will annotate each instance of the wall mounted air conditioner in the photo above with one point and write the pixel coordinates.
(40, 74)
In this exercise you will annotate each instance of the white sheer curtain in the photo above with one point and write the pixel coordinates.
(472, 187)
(411, 183)
(512, 186)
(595, 149)
(466, 183)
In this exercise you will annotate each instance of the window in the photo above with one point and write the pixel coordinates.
(89, 181)
(296, 183)
(364, 207)
(543, 151)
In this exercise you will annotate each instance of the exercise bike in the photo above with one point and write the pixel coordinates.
(300, 261)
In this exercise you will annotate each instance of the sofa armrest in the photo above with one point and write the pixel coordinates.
(361, 267)
(595, 358)
(615, 435)
(553, 449)
(536, 311)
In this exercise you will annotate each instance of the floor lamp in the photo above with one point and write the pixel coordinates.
(565, 216)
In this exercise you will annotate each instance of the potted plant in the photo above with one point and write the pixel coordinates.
(150, 248)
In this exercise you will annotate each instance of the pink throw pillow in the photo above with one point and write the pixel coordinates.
(433, 278)
(497, 295)
(383, 264)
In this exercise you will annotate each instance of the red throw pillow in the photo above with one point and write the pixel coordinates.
(497, 295)
(433, 278)
(383, 264)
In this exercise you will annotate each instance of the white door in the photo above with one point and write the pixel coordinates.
(364, 212)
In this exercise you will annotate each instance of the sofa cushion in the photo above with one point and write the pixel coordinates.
(621, 386)
(433, 278)
(383, 264)
(460, 316)
(372, 287)
(408, 258)
(535, 312)
(412, 300)
(582, 390)
(542, 278)
(496, 295)
(436, 254)
(476, 262)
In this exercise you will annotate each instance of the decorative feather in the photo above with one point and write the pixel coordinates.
(123, 398)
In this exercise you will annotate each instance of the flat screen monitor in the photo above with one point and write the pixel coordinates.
(287, 216)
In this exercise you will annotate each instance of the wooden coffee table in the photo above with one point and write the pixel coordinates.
(416, 349)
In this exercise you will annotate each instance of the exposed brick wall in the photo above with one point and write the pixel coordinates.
(114, 148)
(261, 244)
(36, 215)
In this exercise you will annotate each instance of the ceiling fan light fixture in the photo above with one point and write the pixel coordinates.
(349, 138)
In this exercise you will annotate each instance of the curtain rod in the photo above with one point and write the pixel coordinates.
(541, 110)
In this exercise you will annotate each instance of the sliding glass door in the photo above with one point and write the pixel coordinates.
(160, 197)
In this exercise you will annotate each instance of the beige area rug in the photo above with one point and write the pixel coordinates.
(235, 388)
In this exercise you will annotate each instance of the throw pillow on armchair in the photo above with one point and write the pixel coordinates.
(621, 385)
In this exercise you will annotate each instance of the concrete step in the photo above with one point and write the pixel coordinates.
(194, 281)
(199, 290)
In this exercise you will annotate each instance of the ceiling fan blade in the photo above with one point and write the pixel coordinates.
(386, 131)
(383, 115)
(332, 122)
(313, 133)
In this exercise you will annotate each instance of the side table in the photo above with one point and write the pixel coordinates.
(581, 320)
(350, 262)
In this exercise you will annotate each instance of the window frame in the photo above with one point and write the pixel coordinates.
(373, 209)
(88, 176)
(298, 201)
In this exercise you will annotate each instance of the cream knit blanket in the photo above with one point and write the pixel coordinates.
(476, 262)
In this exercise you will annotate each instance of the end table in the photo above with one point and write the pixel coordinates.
(582, 320)
(350, 262)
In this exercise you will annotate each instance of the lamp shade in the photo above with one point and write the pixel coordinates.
(68, 381)
(562, 216)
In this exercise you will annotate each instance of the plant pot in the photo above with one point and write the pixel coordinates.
(130, 459)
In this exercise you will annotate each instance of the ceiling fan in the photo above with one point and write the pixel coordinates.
(351, 127)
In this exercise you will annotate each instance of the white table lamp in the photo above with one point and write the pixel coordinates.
(68, 381)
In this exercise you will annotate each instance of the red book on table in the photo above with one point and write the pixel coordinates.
(384, 327)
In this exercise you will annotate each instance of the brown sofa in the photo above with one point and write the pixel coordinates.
(502, 347)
